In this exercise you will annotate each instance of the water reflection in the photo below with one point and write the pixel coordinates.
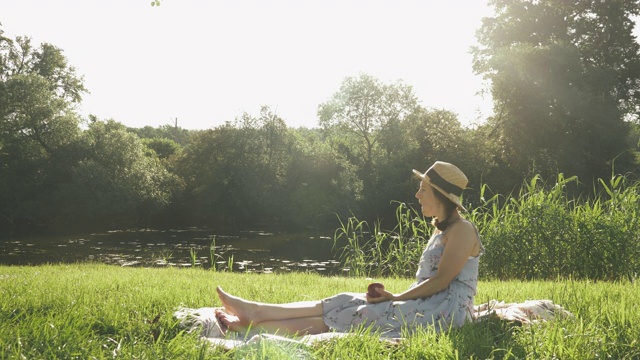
(250, 251)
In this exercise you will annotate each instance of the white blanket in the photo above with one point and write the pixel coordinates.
(205, 321)
(525, 313)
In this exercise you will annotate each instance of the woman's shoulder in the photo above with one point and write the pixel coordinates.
(462, 228)
(463, 225)
(465, 235)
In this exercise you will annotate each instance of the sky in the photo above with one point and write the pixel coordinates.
(206, 62)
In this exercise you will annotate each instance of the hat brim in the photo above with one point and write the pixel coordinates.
(454, 199)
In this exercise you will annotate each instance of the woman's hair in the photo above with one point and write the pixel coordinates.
(449, 208)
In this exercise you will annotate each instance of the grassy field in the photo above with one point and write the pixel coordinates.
(92, 311)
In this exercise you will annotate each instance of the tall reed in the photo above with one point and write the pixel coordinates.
(527, 236)
(544, 234)
(540, 233)
(377, 252)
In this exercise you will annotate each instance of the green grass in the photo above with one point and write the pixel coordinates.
(92, 311)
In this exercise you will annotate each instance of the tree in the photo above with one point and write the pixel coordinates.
(321, 182)
(236, 172)
(564, 77)
(364, 105)
(38, 128)
(425, 136)
(171, 132)
(163, 148)
(115, 183)
(359, 111)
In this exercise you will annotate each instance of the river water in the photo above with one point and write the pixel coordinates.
(247, 251)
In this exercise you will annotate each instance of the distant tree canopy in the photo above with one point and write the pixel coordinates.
(564, 77)
(53, 172)
(115, 180)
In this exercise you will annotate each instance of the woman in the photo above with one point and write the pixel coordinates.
(442, 296)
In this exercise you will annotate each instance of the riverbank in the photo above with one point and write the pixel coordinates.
(98, 311)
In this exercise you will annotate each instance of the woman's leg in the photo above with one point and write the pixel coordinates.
(298, 326)
(254, 312)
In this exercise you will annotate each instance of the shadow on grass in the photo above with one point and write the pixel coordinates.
(491, 337)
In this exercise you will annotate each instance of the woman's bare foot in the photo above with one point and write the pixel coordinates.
(242, 309)
(230, 322)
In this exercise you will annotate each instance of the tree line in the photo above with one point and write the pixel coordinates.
(565, 79)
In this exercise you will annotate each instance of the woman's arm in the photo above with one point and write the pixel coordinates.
(462, 240)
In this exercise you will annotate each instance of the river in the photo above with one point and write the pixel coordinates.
(246, 251)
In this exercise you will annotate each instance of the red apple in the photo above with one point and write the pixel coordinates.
(371, 290)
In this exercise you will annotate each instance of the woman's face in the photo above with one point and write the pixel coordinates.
(427, 199)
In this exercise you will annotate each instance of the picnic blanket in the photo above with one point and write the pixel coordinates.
(204, 321)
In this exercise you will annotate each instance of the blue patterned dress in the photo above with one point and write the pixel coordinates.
(450, 307)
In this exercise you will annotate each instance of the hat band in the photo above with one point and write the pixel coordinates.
(443, 184)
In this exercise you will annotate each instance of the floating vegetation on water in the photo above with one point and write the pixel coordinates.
(251, 252)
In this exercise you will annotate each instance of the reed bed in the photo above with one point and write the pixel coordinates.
(541, 233)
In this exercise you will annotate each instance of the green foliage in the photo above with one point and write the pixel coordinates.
(362, 113)
(364, 105)
(115, 180)
(564, 77)
(259, 171)
(38, 130)
(238, 172)
(422, 138)
(321, 182)
(173, 133)
(19, 57)
(163, 148)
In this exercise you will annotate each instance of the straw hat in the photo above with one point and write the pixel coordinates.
(447, 179)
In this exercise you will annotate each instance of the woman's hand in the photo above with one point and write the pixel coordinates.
(384, 296)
